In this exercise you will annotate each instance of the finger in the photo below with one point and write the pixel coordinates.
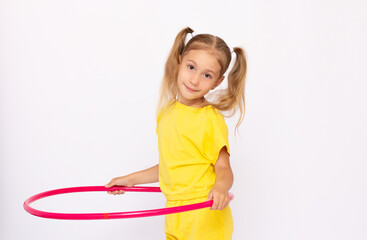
(210, 196)
(227, 201)
(224, 203)
(215, 204)
(118, 192)
(221, 204)
(110, 184)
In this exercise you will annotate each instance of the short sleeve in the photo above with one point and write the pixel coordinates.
(216, 137)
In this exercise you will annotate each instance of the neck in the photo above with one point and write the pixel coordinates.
(193, 103)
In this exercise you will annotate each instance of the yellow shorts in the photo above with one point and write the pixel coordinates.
(201, 224)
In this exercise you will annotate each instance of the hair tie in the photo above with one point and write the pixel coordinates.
(189, 37)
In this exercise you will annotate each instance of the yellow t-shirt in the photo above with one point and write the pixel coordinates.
(189, 141)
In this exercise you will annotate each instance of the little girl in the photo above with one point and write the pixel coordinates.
(193, 136)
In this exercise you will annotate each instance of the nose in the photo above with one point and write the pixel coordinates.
(195, 79)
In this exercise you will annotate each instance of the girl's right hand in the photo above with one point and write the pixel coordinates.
(119, 181)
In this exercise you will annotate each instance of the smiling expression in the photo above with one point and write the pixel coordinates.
(199, 72)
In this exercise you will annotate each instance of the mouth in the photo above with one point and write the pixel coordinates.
(190, 89)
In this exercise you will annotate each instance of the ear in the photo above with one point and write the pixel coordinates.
(218, 82)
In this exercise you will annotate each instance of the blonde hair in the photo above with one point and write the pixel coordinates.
(230, 99)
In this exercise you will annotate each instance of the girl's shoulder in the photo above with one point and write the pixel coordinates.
(213, 111)
(167, 106)
(215, 116)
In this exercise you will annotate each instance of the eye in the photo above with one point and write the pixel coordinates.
(207, 75)
(190, 67)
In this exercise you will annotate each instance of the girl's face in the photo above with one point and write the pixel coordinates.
(199, 72)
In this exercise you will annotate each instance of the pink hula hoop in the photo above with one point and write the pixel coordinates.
(112, 215)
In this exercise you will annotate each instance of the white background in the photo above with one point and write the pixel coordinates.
(79, 85)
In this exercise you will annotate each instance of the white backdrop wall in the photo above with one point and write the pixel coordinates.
(79, 84)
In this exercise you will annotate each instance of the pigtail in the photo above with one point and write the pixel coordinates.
(168, 90)
(233, 98)
(236, 83)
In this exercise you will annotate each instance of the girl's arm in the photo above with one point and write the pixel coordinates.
(149, 175)
(223, 182)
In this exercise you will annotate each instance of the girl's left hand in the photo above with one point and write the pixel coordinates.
(220, 197)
